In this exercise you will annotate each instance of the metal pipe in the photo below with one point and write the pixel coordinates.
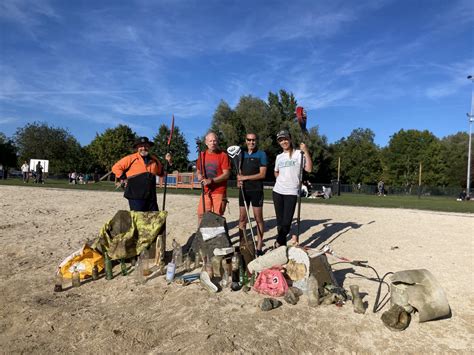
(471, 119)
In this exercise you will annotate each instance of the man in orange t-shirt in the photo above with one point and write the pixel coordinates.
(213, 172)
(137, 172)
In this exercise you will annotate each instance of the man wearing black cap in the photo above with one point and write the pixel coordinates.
(138, 173)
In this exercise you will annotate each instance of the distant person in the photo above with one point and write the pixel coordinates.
(96, 175)
(213, 172)
(285, 191)
(137, 172)
(252, 174)
(304, 190)
(381, 188)
(462, 195)
(39, 173)
(1, 171)
(25, 171)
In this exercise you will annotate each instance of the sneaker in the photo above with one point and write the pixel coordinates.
(207, 283)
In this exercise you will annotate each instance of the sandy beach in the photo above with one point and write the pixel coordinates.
(39, 227)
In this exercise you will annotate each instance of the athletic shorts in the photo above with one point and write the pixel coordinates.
(254, 197)
(214, 202)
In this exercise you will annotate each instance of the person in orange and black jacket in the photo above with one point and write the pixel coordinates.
(137, 172)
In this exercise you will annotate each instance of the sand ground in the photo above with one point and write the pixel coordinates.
(39, 227)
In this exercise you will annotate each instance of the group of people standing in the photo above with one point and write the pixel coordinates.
(37, 173)
(137, 173)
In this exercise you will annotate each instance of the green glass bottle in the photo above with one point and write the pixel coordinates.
(123, 267)
(108, 267)
(245, 278)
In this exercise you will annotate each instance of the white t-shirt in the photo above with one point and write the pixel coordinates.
(288, 180)
(25, 168)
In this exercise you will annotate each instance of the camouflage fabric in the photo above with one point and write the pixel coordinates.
(128, 233)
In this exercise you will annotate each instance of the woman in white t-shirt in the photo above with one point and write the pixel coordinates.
(285, 191)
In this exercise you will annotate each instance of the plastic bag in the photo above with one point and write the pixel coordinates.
(271, 282)
(83, 260)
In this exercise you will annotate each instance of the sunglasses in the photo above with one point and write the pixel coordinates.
(250, 140)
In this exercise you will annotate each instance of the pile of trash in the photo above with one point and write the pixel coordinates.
(285, 272)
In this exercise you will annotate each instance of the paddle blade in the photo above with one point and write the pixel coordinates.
(301, 118)
(233, 151)
(171, 131)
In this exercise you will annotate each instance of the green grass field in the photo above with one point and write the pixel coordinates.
(431, 203)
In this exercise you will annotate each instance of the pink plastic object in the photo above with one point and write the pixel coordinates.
(271, 282)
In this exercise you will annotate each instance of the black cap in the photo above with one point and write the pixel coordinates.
(143, 140)
(283, 134)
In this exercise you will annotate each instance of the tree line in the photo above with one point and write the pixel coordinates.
(444, 161)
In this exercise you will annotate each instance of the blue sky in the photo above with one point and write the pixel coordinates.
(91, 65)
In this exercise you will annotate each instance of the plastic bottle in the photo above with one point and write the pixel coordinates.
(225, 279)
(197, 260)
(235, 261)
(208, 268)
(145, 259)
(177, 253)
(170, 272)
(235, 268)
(139, 271)
(58, 281)
(216, 266)
(76, 278)
(187, 263)
(108, 267)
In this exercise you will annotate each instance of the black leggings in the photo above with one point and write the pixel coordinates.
(284, 210)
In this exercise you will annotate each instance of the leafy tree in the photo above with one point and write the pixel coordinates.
(265, 119)
(226, 125)
(40, 141)
(8, 157)
(284, 103)
(360, 157)
(454, 151)
(405, 152)
(112, 145)
(178, 147)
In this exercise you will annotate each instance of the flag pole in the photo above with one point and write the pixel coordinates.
(165, 176)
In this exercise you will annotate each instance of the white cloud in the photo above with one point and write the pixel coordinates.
(8, 120)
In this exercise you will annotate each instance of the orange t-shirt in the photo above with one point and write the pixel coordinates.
(214, 165)
(136, 165)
